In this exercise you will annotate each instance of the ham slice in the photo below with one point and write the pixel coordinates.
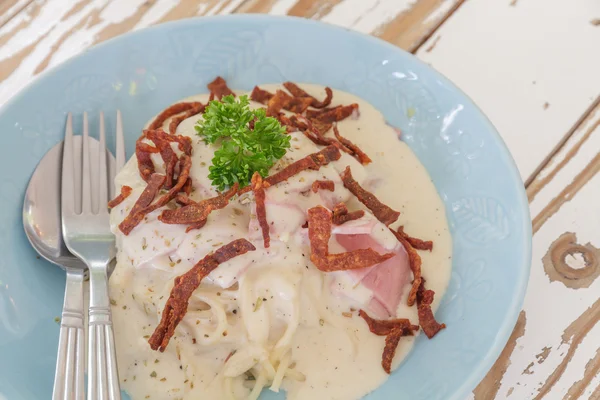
(386, 280)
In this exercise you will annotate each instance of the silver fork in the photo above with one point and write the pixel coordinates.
(87, 234)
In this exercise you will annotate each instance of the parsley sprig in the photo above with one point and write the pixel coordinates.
(243, 150)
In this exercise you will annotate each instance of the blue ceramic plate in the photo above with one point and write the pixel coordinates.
(142, 72)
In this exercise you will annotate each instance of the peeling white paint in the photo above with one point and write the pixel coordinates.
(81, 39)
(282, 7)
(440, 12)
(511, 60)
(565, 175)
(228, 9)
(158, 10)
(366, 15)
(50, 23)
(380, 14)
(494, 52)
(12, 11)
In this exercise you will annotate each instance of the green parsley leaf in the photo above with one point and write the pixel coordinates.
(243, 150)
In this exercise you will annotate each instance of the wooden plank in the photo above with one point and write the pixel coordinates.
(47, 32)
(555, 348)
(546, 190)
(10, 8)
(552, 127)
(511, 60)
(558, 354)
(405, 23)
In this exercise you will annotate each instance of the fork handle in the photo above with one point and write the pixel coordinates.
(103, 377)
(70, 361)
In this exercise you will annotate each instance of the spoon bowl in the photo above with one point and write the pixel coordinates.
(41, 208)
(41, 212)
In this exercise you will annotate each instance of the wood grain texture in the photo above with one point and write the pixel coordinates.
(489, 386)
(558, 177)
(42, 33)
(404, 23)
(504, 55)
(511, 60)
(10, 8)
(557, 356)
(47, 32)
(558, 148)
(575, 265)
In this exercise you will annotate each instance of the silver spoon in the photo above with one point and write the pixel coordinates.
(42, 223)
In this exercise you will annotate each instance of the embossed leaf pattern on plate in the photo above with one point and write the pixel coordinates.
(231, 55)
(480, 220)
(468, 283)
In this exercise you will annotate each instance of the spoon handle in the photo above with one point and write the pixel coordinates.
(103, 378)
(68, 380)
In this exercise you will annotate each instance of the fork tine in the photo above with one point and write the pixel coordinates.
(67, 178)
(103, 180)
(86, 178)
(120, 153)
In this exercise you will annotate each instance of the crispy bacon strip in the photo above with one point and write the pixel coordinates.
(219, 88)
(298, 104)
(195, 213)
(333, 114)
(258, 187)
(163, 144)
(175, 121)
(260, 96)
(426, 318)
(184, 143)
(183, 199)
(382, 212)
(319, 232)
(312, 161)
(418, 244)
(341, 215)
(197, 225)
(393, 330)
(384, 327)
(303, 123)
(309, 129)
(285, 121)
(170, 111)
(161, 139)
(415, 266)
(176, 306)
(155, 182)
(278, 101)
(321, 127)
(323, 185)
(389, 351)
(143, 152)
(185, 165)
(319, 139)
(145, 147)
(137, 214)
(187, 188)
(360, 155)
(281, 100)
(125, 192)
(296, 91)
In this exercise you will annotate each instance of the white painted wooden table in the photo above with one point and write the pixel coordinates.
(533, 66)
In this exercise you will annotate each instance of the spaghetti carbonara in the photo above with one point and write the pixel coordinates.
(269, 320)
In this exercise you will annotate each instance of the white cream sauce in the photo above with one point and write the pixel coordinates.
(272, 307)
